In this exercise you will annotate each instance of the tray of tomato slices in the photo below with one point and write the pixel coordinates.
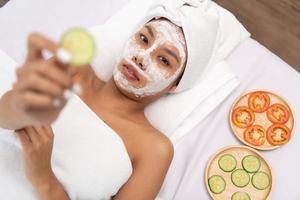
(262, 120)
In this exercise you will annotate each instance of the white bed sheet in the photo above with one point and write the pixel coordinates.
(256, 67)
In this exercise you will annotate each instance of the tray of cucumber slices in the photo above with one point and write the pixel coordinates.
(238, 173)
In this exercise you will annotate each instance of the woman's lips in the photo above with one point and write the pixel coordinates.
(130, 72)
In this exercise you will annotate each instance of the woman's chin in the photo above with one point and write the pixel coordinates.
(136, 96)
(124, 90)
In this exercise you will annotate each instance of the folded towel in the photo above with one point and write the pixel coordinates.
(85, 150)
(211, 33)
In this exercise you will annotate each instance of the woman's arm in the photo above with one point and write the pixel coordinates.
(51, 189)
(149, 171)
(37, 143)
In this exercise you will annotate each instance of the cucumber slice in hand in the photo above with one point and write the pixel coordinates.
(260, 180)
(216, 184)
(240, 178)
(251, 163)
(240, 196)
(227, 163)
(80, 44)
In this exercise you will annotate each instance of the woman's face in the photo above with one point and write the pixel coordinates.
(153, 59)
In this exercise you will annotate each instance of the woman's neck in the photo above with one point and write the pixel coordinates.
(110, 98)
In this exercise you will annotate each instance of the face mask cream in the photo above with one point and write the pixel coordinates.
(157, 80)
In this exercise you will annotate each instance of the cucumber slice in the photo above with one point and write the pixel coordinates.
(260, 180)
(240, 178)
(80, 44)
(251, 163)
(227, 163)
(240, 196)
(216, 184)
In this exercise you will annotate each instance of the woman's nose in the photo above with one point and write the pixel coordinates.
(139, 61)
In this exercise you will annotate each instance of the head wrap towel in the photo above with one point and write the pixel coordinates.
(211, 33)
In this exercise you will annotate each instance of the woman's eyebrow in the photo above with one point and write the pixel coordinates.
(171, 53)
(149, 30)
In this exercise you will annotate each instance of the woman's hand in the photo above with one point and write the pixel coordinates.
(37, 144)
(41, 83)
(38, 94)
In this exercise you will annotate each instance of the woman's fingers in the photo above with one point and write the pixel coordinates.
(44, 133)
(34, 101)
(40, 84)
(44, 77)
(39, 130)
(48, 130)
(56, 73)
(48, 68)
(29, 99)
(23, 137)
(33, 135)
(37, 154)
(36, 43)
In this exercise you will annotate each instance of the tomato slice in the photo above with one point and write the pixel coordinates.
(278, 114)
(255, 135)
(259, 101)
(243, 117)
(278, 134)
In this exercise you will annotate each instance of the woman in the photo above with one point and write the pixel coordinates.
(153, 62)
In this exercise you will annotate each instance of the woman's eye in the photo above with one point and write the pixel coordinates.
(144, 38)
(164, 60)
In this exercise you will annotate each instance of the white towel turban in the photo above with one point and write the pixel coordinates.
(211, 33)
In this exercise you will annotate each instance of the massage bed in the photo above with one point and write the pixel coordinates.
(254, 65)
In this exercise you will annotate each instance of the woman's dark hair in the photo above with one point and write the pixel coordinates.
(179, 79)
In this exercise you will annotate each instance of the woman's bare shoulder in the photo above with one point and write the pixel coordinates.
(155, 146)
(154, 156)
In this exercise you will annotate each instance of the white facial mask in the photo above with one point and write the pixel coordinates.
(157, 80)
